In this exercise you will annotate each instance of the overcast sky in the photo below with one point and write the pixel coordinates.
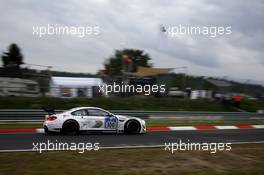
(135, 24)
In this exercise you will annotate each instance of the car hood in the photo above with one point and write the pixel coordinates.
(123, 117)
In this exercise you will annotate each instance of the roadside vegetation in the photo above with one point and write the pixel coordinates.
(115, 103)
(128, 103)
(244, 159)
(252, 105)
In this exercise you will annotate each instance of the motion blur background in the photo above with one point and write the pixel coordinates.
(208, 81)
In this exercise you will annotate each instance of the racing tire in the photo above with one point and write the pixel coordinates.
(132, 127)
(46, 131)
(70, 127)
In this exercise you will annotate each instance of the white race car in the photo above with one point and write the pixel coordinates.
(79, 119)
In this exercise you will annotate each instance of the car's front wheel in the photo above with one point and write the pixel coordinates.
(132, 127)
(70, 127)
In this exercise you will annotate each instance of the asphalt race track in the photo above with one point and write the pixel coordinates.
(22, 141)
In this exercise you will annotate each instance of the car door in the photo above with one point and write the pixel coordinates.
(102, 120)
(81, 116)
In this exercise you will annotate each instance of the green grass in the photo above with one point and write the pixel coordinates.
(127, 103)
(17, 125)
(252, 105)
(241, 160)
(114, 103)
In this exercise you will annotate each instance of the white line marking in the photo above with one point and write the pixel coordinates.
(258, 126)
(226, 127)
(16, 150)
(122, 147)
(131, 147)
(247, 142)
(103, 147)
(182, 128)
(39, 130)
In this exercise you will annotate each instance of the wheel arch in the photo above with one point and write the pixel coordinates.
(71, 120)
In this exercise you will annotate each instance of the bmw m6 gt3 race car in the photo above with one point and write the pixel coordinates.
(73, 121)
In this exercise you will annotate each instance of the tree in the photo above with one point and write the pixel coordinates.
(13, 57)
(126, 60)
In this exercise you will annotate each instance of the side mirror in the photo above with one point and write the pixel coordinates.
(110, 115)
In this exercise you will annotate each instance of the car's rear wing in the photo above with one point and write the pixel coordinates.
(49, 110)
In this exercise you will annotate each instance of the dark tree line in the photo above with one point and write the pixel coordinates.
(13, 58)
(128, 59)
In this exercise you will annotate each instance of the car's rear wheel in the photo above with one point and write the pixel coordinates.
(70, 128)
(46, 130)
(132, 127)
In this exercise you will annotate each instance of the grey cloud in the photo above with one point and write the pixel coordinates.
(135, 24)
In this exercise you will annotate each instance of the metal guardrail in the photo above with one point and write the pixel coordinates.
(35, 114)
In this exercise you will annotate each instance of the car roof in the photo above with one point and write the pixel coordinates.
(79, 108)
